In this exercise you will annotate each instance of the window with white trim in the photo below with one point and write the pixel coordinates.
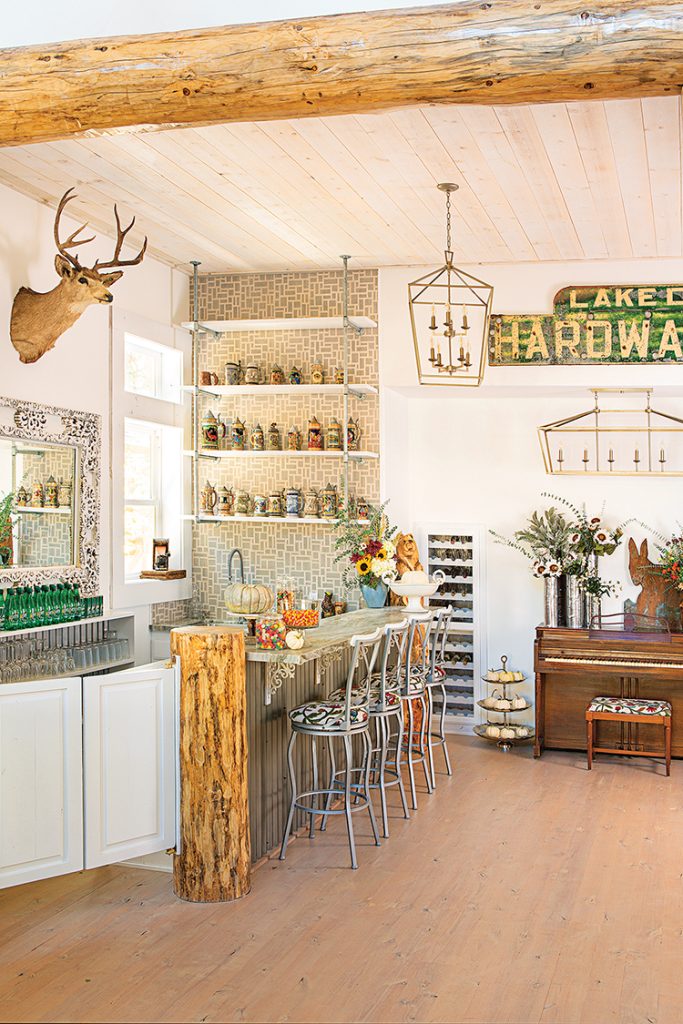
(142, 493)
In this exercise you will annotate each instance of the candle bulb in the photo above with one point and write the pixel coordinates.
(560, 458)
(432, 357)
(585, 459)
(432, 321)
(465, 321)
(636, 459)
(610, 458)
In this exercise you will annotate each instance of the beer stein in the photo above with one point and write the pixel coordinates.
(362, 509)
(277, 374)
(237, 436)
(208, 499)
(226, 502)
(252, 374)
(328, 502)
(242, 503)
(257, 440)
(295, 376)
(51, 489)
(233, 373)
(293, 440)
(294, 502)
(339, 375)
(315, 435)
(23, 497)
(37, 496)
(317, 374)
(212, 431)
(353, 433)
(274, 441)
(207, 379)
(275, 503)
(312, 504)
(333, 436)
(260, 505)
(64, 493)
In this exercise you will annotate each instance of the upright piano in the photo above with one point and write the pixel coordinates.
(574, 665)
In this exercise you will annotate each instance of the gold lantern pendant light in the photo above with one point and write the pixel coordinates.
(452, 305)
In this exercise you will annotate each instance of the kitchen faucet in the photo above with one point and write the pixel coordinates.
(231, 555)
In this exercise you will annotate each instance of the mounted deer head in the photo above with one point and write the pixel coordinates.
(39, 318)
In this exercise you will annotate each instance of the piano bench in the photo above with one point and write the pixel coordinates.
(629, 709)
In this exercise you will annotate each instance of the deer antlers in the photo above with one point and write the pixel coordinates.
(72, 240)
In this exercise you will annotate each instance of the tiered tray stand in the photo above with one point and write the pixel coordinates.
(509, 732)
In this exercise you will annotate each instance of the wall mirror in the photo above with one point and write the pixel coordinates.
(40, 477)
(49, 495)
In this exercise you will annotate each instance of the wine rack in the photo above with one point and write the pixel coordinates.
(455, 550)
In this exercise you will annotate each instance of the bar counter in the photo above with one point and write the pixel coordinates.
(278, 681)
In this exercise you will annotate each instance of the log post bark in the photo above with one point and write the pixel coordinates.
(214, 861)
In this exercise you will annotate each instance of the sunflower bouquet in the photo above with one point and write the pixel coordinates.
(367, 548)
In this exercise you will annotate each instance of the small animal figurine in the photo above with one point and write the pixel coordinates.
(656, 597)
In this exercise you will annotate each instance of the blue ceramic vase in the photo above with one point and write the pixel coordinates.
(375, 597)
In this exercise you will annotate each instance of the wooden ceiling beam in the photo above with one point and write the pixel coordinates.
(503, 51)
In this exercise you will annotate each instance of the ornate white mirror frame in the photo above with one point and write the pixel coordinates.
(31, 421)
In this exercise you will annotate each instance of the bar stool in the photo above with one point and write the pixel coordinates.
(343, 719)
(638, 710)
(437, 680)
(414, 688)
(385, 705)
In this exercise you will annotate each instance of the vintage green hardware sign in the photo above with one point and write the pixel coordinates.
(632, 324)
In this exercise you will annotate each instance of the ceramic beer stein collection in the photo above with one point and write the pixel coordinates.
(235, 374)
(291, 503)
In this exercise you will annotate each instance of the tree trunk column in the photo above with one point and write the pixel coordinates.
(214, 862)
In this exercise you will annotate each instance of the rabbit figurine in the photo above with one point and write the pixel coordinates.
(657, 597)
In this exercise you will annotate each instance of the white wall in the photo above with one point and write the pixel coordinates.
(473, 455)
(76, 373)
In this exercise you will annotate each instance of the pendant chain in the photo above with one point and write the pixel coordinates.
(448, 221)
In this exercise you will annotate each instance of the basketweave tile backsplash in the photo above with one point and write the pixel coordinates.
(299, 556)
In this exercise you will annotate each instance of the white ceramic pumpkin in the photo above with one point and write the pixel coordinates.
(294, 639)
(492, 730)
(507, 733)
(502, 704)
(522, 732)
(248, 598)
(519, 702)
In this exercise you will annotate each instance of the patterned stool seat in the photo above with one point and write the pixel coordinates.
(630, 706)
(392, 699)
(327, 715)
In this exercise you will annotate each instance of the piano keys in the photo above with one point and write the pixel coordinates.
(574, 665)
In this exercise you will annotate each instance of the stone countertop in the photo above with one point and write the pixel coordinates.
(335, 631)
(166, 627)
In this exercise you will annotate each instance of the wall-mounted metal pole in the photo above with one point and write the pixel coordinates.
(195, 386)
(345, 417)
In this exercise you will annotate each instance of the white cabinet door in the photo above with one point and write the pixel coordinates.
(41, 796)
(129, 751)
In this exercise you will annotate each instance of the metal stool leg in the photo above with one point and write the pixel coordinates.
(428, 735)
(347, 799)
(383, 743)
(424, 746)
(331, 784)
(399, 761)
(367, 743)
(409, 755)
(314, 800)
(292, 782)
(442, 731)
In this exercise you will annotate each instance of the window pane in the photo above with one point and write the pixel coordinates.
(139, 529)
(140, 461)
(142, 369)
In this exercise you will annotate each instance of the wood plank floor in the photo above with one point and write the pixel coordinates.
(520, 892)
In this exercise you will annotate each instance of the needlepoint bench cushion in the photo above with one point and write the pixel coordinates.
(630, 706)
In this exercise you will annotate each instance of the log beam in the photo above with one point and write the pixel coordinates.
(214, 861)
(502, 51)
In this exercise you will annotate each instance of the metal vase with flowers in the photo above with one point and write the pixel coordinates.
(550, 574)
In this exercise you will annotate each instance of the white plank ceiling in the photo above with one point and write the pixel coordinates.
(558, 181)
